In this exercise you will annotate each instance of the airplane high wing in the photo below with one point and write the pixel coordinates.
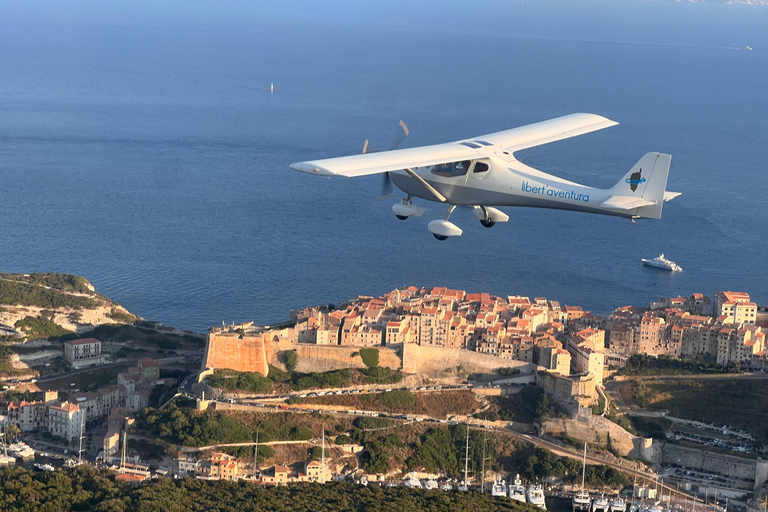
(482, 172)
(510, 140)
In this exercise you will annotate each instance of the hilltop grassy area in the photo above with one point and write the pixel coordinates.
(50, 291)
(438, 404)
(280, 381)
(741, 403)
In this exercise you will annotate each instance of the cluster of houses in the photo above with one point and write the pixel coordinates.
(537, 331)
(727, 330)
(114, 403)
(220, 466)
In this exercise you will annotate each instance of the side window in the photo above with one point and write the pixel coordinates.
(480, 167)
(452, 169)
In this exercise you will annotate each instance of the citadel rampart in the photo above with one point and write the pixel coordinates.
(240, 352)
(435, 361)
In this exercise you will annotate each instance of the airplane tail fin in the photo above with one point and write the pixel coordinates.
(646, 183)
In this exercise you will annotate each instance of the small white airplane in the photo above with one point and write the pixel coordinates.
(482, 172)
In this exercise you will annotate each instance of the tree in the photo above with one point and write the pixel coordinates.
(542, 407)
(291, 358)
(370, 357)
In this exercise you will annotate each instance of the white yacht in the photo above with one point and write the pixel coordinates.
(499, 488)
(44, 467)
(446, 486)
(600, 504)
(412, 482)
(429, 484)
(21, 451)
(463, 486)
(535, 496)
(581, 501)
(516, 490)
(662, 262)
(618, 504)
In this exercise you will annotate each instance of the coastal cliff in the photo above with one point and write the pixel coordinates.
(47, 305)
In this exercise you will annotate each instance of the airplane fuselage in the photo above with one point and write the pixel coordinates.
(506, 182)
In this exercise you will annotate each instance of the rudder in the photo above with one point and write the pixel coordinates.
(646, 180)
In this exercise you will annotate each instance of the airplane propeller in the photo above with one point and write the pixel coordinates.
(386, 184)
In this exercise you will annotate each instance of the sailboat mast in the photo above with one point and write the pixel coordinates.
(322, 458)
(584, 466)
(466, 460)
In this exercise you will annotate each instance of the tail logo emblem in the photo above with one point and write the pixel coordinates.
(635, 179)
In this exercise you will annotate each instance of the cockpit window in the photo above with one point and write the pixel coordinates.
(452, 169)
(472, 145)
(484, 143)
(480, 167)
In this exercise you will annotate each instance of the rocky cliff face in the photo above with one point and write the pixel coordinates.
(43, 305)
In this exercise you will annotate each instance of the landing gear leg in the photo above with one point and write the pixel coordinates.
(486, 220)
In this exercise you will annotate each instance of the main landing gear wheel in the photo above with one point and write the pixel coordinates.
(440, 237)
(487, 223)
(402, 217)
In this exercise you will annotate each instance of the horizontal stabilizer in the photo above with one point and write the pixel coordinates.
(625, 202)
(668, 196)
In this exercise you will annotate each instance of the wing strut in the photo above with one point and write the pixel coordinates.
(440, 197)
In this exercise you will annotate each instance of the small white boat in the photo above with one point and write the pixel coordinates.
(463, 486)
(516, 490)
(429, 484)
(600, 504)
(618, 504)
(499, 488)
(446, 486)
(412, 482)
(535, 496)
(663, 263)
(44, 467)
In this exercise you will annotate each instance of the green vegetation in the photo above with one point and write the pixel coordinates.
(599, 407)
(431, 453)
(381, 375)
(508, 371)
(569, 441)
(333, 379)
(127, 352)
(651, 427)
(119, 316)
(370, 357)
(178, 423)
(291, 360)
(240, 381)
(620, 418)
(398, 398)
(545, 463)
(527, 406)
(436, 404)
(642, 364)
(741, 403)
(42, 326)
(85, 488)
(18, 290)
(641, 394)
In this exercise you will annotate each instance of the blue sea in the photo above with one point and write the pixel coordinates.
(141, 148)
